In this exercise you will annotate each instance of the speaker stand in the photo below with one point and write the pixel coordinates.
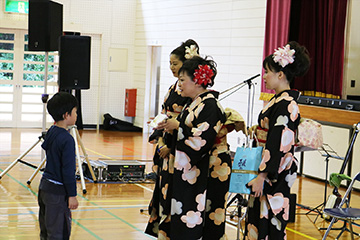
(75, 134)
(20, 158)
(44, 97)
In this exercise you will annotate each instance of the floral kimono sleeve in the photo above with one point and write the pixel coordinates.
(278, 152)
(163, 106)
(198, 129)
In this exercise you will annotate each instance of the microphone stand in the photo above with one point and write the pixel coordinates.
(250, 105)
(239, 86)
(241, 202)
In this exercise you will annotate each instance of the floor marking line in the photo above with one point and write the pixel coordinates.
(86, 229)
(299, 233)
(133, 150)
(98, 153)
(27, 188)
(104, 206)
(119, 218)
(34, 193)
(115, 216)
(146, 188)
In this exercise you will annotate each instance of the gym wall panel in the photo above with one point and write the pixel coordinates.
(90, 97)
(227, 30)
(113, 23)
(110, 22)
(135, 25)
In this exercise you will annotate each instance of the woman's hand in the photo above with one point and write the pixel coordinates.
(161, 125)
(169, 124)
(257, 184)
(164, 151)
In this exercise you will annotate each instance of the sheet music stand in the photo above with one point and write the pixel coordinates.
(328, 152)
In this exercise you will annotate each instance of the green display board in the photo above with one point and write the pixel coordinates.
(16, 6)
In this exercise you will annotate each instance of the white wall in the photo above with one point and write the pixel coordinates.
(352, 55)
(231, 31)
(111, 24)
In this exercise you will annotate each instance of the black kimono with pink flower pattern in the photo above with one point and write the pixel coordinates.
(201, 172)
(201, 176)
(268, 215)
(160, 203)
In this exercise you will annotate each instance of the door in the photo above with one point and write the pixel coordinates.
(22, 81)
(152, 102)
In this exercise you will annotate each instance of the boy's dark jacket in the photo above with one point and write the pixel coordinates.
(60, 162)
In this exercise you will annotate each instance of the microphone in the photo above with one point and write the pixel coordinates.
(248, 81)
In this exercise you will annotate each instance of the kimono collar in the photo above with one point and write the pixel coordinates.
(203, 96)
(214, 94)
(293, 93)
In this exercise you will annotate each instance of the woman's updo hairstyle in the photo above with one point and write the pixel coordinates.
(299, 66)
(197, 67)
(180, 51)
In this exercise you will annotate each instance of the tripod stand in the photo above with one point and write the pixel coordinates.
(75, 134)
(328, 151)
(20, 158)
(44, 98)
(240, 202)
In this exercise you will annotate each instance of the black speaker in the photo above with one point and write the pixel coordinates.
(330, 102)
(45, 25)
(74, 64)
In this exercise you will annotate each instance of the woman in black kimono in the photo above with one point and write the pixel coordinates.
(163, 159)
(202, 163)
(268, 207)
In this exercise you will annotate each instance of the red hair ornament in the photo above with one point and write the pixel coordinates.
(203, 75)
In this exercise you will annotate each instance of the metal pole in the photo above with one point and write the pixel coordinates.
(45, 97)
(78, 159)
(19, 158)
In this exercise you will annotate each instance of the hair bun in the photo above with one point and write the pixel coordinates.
(302, 60)
(186, 50)
(201, 70)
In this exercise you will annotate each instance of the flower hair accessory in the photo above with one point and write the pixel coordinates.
(203, 75)
(284, 56)
(191, 51)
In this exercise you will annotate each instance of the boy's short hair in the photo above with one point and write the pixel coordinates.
(61, 103)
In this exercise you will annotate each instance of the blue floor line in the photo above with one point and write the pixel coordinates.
(76, 222)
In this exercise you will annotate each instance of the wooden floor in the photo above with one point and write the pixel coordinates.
(112, 210)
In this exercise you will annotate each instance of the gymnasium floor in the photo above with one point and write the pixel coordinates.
(112, 210)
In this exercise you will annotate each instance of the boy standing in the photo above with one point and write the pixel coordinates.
(57, 190)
